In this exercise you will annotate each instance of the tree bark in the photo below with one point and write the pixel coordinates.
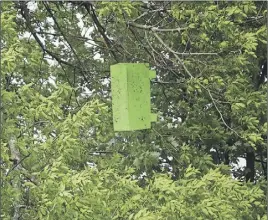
(226, 158)
(250, 166)
(15, 156)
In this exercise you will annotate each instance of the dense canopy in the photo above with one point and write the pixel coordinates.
(60, 157)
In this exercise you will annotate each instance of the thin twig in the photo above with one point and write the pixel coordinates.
(188, 54)
(176, 56)
(212, 99)
(89, 8)
(17, 164)
(191, 76)
(162, 82)
(152, 28)
(67, 41)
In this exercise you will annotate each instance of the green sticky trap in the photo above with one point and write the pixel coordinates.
(153, 117)
(131, 101)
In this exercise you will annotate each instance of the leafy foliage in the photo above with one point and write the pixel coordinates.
(61, 158)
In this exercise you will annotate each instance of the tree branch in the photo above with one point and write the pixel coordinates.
(192, 77)
(152, 28)
(188, 54)
(176, 56)
(25, 15)
(100, 28)
(18, 163)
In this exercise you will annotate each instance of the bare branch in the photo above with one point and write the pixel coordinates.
(176, 56)
(100, 28)
(216, 107)
(17, 164)
(25, 15)
(191, 76)
(162, 82)
(152, 28)
(188, 54)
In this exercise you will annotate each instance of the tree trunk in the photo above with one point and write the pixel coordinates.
(226, 158)
(15, 156)
(250, 166)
